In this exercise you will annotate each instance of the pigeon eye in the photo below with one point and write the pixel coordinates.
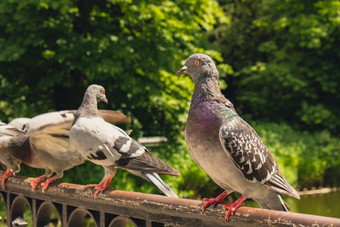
(197, 62)
(101, 91)
(0, 146)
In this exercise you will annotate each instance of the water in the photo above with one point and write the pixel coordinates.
(327, 204)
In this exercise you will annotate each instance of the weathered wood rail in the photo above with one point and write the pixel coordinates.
(116, 208)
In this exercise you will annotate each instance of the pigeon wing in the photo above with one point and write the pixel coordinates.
(20, 123)
(247, 151)
(111, 116)
(50, 131)
(146, 162)
(10, 130)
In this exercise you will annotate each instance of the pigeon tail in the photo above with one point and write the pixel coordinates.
(160, 184)
(273, 202)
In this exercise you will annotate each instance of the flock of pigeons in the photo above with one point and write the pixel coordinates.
(219, 141)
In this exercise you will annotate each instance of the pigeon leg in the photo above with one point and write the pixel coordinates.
(47, 182)
(219, 199)
(7, 174)
(36, 181)
(102, 185)
(234, 206)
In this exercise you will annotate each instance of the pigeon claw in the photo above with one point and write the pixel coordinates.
(219, 199)
(100, 188)
(7, 174)
(233, 207)
(36, 181)
(104, 184)
(47, 183)
(209, 202)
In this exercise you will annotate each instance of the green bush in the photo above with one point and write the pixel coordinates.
(306, 159)
(285, 58)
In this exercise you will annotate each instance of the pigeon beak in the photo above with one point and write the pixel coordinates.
(183, 70)
(105, 99)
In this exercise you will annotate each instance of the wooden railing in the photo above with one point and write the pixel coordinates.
(74, 203)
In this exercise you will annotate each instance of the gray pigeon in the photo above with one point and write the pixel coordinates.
(15, 128)
(228, 148)
(109, 146)
(46, 145)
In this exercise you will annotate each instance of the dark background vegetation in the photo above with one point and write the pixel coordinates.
(278, 63)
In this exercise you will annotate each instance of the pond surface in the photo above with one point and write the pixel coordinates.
(327, 204)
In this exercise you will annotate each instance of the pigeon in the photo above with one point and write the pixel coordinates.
(109, 146)
(226, 147)
(15, 128)
(43, 142)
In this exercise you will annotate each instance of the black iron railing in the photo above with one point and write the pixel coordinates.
(74, 204)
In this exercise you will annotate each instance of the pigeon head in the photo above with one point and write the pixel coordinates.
(199, 66)
(97, 91)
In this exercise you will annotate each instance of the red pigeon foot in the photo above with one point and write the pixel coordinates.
(234, 206)
(47, 182)
(219, 199)
(101, 186)
(36, 181)
(7, 174)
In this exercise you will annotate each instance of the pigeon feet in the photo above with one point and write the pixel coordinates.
(46, 183)
(104, 184)
(219, 199)
(232, 207)
(36, 181)
(7, 174)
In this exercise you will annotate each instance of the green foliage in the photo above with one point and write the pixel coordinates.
(278, 62)
(285, 58)
(51, 51)
(305, 159)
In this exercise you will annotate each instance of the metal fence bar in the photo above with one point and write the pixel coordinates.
(116, 208)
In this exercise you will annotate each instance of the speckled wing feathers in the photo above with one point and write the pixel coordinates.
(247, 151)
(245, 148)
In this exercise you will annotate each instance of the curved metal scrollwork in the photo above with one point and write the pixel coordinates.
(44, 212)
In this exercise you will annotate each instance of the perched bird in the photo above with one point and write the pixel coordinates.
(109, 146)
(15, 128)
(46, 145)
(228, 148)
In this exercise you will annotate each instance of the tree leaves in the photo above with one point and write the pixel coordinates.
(285, 56)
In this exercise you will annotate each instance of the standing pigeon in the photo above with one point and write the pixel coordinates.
(45, 145)
(109, 146)
(226, 147)
(15, 128)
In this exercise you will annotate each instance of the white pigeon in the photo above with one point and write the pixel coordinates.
(109, 146)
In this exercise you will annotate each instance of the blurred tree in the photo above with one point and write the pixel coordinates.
(52, 50)
(285, 57)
